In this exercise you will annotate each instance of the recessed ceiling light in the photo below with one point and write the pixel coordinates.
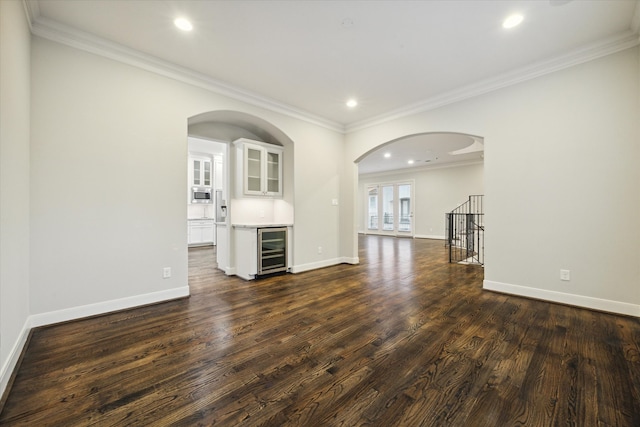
(387, 155)
(183, 24)
(352, 103)
(346, 23)
(410, 162)
(512, 21)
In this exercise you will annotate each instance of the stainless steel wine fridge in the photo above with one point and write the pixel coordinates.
(272, 250)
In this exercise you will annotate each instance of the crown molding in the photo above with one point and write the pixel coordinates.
(52, 30)
(635, 21)
(597, 50)
(57, 32)
(32, 10)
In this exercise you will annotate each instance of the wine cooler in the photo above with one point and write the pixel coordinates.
(272, 250)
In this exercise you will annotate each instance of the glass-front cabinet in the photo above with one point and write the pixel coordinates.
(259, 168)
(274, 172)
(253, 175)
(201, 172)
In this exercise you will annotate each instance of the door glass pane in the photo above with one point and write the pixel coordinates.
(404, 207)
(196, 172)
(273, 252)
(253, 170)
(372, 215)
(273, 168)
(387, 208)
(207, 173)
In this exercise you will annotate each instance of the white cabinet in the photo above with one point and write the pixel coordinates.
(222, 251)
(201, 232)
(248, 249)
(259, 168)
(246, 252)
(201, 171)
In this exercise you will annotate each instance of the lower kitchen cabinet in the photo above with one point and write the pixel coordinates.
(201, 232)
(261, 250)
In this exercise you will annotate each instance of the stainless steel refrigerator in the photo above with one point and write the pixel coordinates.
(221, 207)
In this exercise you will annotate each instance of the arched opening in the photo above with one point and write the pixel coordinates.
(222, 128)
(227, 125)
(408, 184)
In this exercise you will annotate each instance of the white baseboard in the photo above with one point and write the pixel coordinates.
(324, 263)
(88, 310)
(14, 355)
(80, 312)
(611, 306)
(315, 265)
(429, 236)
(349, 260)
(415, 236)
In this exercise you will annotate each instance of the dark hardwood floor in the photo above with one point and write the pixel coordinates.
(403, 339)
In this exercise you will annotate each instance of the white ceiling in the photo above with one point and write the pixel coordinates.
(306, 58)
(425, 150)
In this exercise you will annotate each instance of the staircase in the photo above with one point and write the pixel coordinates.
(465, 232)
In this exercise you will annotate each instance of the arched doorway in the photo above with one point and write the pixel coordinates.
(406, 185)
(224, 127)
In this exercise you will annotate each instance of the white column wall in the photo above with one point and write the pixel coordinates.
(561, 180)
(15, 43)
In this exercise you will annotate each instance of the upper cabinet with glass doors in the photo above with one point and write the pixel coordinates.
(201, 171)
(259, 167)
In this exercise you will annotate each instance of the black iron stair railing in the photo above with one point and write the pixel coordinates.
(465, 231)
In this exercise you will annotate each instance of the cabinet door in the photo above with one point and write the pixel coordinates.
(197, 172)
(206, 173)
(272, 250)
(195, 236)
(259, 171)
(273, 173)
(208, 234)
(254, 170)
(201, 232)
(202, 173)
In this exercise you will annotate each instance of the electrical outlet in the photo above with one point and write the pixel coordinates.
(319, 249)
(565, 275)
(166, 272)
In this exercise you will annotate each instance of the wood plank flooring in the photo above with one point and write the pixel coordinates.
(403, 339)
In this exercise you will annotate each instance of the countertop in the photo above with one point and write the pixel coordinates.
(256, 225)
(200, 219)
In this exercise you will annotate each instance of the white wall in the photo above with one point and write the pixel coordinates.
(314, 194)
(102, 132)
(437, 191)
(15, 43)
(561, 180)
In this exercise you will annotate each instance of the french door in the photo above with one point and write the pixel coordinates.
(390, 209)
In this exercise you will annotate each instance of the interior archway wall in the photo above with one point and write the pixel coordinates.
(362, 142)
(401, 138)
(555, 163)
(438, 188)
(227, 126)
